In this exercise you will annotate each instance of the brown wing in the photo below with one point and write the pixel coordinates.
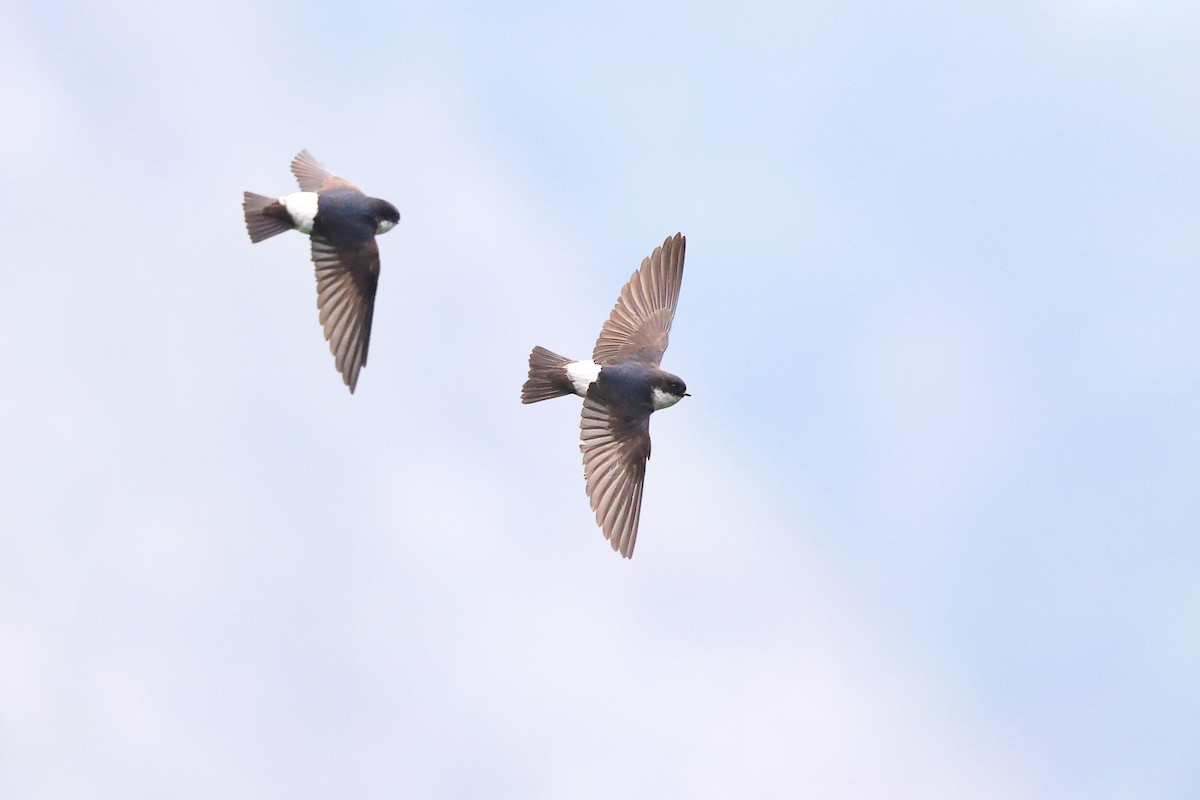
(615, 449)
(346, 284)
(313, 176)
(640, 322)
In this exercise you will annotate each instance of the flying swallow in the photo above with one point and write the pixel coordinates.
(342, 223)
(621, 387)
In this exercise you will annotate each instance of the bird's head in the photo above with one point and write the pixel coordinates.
(667, 391)
(386, 216)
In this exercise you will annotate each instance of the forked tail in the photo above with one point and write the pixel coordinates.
(265, 216)
(547, 377)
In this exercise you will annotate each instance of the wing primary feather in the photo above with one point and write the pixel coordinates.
(640, 322)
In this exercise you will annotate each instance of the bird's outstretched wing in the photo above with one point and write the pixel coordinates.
(640, 323)
(313, 176)
(615, 448)
(346, 283)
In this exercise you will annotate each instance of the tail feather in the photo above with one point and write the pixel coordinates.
(265, 216)
(547, 377)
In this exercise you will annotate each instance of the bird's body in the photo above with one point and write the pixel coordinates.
(621, 386)
(342, 222)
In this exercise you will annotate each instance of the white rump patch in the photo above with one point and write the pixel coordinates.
(384, 226)
(302, 206)
(582, 374)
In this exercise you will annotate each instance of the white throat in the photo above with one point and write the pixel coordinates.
(384, 226)
(663, 399)
(302, 206)
(582, 374)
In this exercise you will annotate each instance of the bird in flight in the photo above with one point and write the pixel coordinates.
(621, 386)
(342, 223)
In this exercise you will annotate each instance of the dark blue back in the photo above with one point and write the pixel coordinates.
(627, 385)
(345, 216)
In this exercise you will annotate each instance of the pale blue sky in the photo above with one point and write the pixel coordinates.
(928, 526)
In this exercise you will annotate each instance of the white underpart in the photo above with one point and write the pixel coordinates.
(663, 399)
(384, 226)
(582, 374)
(303, 208)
